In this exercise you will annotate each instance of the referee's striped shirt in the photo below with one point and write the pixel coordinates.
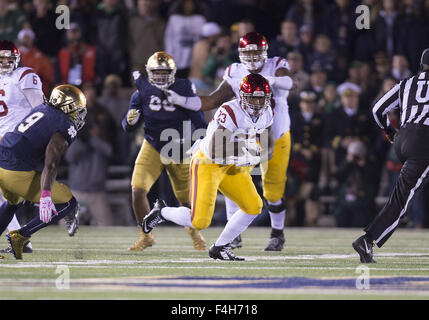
(411, 96)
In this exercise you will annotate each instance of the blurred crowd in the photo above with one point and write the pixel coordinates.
(338, 151)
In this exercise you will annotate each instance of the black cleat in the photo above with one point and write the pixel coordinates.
(236, 243)
(153, 218)
(72, 221)
(276, 243)
(364, 249)
(27, 249)
(223, 253)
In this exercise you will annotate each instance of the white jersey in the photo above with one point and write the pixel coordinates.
(14, 106)
(231, 116)
(236, 72)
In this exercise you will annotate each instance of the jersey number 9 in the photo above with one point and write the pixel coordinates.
(29, 121)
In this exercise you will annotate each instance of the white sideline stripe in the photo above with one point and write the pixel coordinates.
(144, 263)
(404, 209)
(227, 266)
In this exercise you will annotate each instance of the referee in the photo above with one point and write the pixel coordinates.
(411, 144)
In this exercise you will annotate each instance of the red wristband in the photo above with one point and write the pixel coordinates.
(46, 193)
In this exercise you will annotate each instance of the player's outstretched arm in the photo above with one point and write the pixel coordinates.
(283, 79)
(222, 94)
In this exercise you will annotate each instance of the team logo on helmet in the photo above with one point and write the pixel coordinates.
(161, 70)
(70, 100)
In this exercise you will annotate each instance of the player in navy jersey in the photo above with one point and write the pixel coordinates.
(29, 160)
(165, 141)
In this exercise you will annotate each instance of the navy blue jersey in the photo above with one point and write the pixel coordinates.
(24, 148)
(158, 114)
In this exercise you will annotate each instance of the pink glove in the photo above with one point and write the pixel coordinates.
(46, 207)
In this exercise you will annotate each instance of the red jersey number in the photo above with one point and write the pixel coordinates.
(3, 106)
(221, 117)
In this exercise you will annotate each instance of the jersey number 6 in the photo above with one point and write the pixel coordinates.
(3, 106)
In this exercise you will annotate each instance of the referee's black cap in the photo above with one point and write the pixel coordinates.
(425, 57)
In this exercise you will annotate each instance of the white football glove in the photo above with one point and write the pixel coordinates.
(174, 98)
(247, 159)
(46, 208)
(133, 116)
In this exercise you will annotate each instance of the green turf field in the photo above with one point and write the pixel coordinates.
(316, 264)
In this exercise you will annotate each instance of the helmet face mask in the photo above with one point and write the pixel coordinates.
(9, 57)
(161, 70)
(70, 100)
(253, 51)
(255, 95)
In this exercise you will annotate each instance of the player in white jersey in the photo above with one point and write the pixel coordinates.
(20, 90)
(222, 162)
(253, 56)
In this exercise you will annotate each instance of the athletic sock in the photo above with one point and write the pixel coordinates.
(277, 214)
(13, 224)
(231, 208)
(239, 222)
(180, 215)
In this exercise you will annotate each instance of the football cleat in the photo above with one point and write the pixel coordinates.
(154, 217)
(236, 243)
(276, 243)
(146, 240)
(223, 253)
(197, 239)
(364, 249)
(17, 243)
(27, 248)
(1, 257)
(72, 221)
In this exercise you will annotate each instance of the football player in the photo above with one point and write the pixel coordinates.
(20, 90)
(29, 161)
(253, 57)
(223, 162)
(149, 105)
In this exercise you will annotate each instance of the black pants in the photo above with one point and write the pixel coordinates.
(412, 148)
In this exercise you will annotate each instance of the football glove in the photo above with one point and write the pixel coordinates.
(247, 159)
(133, 116)
(190, 103)
(46, 207)
(174, 98)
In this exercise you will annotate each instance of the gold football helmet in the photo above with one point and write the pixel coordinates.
(161, 70)
(70, 100)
